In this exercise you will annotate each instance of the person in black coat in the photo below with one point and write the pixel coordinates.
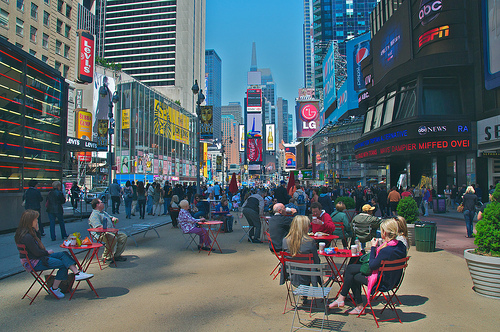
(469, 200)
(326, 201)
(75, 195)
(55, 200)
(280, 193)
(279, 225)
(32, 199)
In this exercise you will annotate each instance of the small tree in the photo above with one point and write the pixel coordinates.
(348, 202)
(408, 209)
(488, 228)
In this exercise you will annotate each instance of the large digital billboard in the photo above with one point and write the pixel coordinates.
(307, 118)
(242, 137)
(391, 44)
(254, 149)
(290, 158)
(254, 100)
(329, 91)
(270, 137)
(491, 43)
(254, 125)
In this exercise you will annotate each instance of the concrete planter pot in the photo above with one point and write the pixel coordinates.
(485, 273)
(411, 233)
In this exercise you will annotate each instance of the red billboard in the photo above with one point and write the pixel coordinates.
(307, 118)
(86, 51)
(254, 149)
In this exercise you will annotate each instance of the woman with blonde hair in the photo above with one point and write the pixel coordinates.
(469, 200)
(402, 231)
(298, 242)
(391, 249)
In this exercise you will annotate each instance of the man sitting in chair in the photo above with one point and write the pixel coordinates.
(279, 225)
(97, 219)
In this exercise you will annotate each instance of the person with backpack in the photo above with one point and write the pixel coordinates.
(300, 199)
(326, 201)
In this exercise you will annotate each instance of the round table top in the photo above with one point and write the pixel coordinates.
(340, 253)
(88, 246)
(210, 222)
(101, 230)
(324, 237)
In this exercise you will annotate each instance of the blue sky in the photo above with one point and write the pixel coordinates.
(276, 28)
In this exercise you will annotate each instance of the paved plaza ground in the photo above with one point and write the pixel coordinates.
(164, 287)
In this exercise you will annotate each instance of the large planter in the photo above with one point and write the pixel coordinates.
(411, 233)
(485, 273)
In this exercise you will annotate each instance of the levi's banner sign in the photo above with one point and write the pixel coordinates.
(86, 51)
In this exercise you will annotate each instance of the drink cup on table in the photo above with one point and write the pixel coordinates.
(322, 246)
(354, 249)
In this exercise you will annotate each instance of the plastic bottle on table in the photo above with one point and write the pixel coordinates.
(358, 244)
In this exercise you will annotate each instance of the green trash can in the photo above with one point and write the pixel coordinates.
(425, 236)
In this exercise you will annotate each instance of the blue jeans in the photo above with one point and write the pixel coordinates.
(469, 216)
(199, 214)
(52, 218)
(128, 207)
(58, 260)
(166, 204)
(149, 204)
(141, 203)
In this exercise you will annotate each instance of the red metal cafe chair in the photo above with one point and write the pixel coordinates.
(388, 293)
(339, 225)
(299, 258)
(277, 269)
(36, 274)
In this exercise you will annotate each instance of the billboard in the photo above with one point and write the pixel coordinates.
(242, 138)
(329, 92)
(206, 122)
(307, 118)
(306, 93)
(391, 44)
(254, 100)
(290, 158)
(86, 52)
(254, 125)
(171, 123)
(491, 43)
(125, 118)
(84, 125)
(271, 136)
(101, 104)
(254, 149)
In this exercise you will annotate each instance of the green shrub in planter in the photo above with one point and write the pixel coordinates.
(348, 202)
(488, 228)
(408, 209)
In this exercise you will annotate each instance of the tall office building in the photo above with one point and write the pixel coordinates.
(213, 93)
(234, 109)
(307, 31)
(337, 20)
(290, 128)
(282, 116)
(160, 43)
(230, 131)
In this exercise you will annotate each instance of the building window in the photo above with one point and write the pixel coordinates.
(20, 5)
(32, 52)
(4, 18)
(68, 11)
(47, 2)
(67, 30)
(34, 11)
(65, 71)
(389, 107)
(19, 27)
(45, 41)
(45, 58)
(58, 47)
(59, 24)
(441, 96)
(60, 6)
(46, 19)
(19, 45)
(57, 65)
(406, 107)
(33, 32)
(66, 51)
(368, 121)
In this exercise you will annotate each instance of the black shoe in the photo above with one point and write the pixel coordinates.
(256, 241)
(249, 240)
(120, 259)
(53, 239)
(43, 234)
(207, 249)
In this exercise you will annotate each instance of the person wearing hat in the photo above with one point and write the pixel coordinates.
(280, 193)
(365, 224)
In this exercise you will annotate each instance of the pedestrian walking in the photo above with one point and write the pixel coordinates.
(32, 199)
(115, 192)
(128, 194)
(75, 195)
(150, 190)
(469, 201)
(54, 203)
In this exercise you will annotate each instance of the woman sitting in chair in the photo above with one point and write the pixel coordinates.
(340, 217)
(391, 249)
(190, 225)
(299, 242)
(42, 259)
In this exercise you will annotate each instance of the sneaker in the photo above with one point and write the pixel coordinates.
(83, 276)
(57, 292)
(120, 259)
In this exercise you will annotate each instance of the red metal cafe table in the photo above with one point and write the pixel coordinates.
(211, 227)
(109, 245)
(342, 253)
(216, 214)
(324, 237)
(91, 251)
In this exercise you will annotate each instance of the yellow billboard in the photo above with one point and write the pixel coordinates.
(171, 123)
(125, 118)
(84, 125)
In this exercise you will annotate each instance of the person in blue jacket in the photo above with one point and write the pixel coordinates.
(391, 249)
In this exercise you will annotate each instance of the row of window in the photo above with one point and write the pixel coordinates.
(34, 8)
(134, 32)
(4, 21)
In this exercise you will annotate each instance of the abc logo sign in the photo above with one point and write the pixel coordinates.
(429, 10)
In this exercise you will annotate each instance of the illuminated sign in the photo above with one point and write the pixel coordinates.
(86, 61)
(242, 138)
(429, 10)
(433, 35)
(271, 136)
(309, 112)
(290, 158)
(422, 130)
(363, 96)
(84, 125)
(254, 100)
(255, 149)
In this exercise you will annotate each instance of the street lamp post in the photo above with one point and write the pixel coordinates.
(104, 91)
(201, 98)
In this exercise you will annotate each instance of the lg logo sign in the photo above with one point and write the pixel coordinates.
(309, 112)
(429, 10)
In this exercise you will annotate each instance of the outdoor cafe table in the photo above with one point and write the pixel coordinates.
(109, 245)
(221, 213)
(342, 253)
(91, 251)
(211, 232)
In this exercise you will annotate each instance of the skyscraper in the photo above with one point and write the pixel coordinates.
(290, 128)
(160, 43)
(282, 125)
(337, 20)
(213, 93)
(307, 31)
